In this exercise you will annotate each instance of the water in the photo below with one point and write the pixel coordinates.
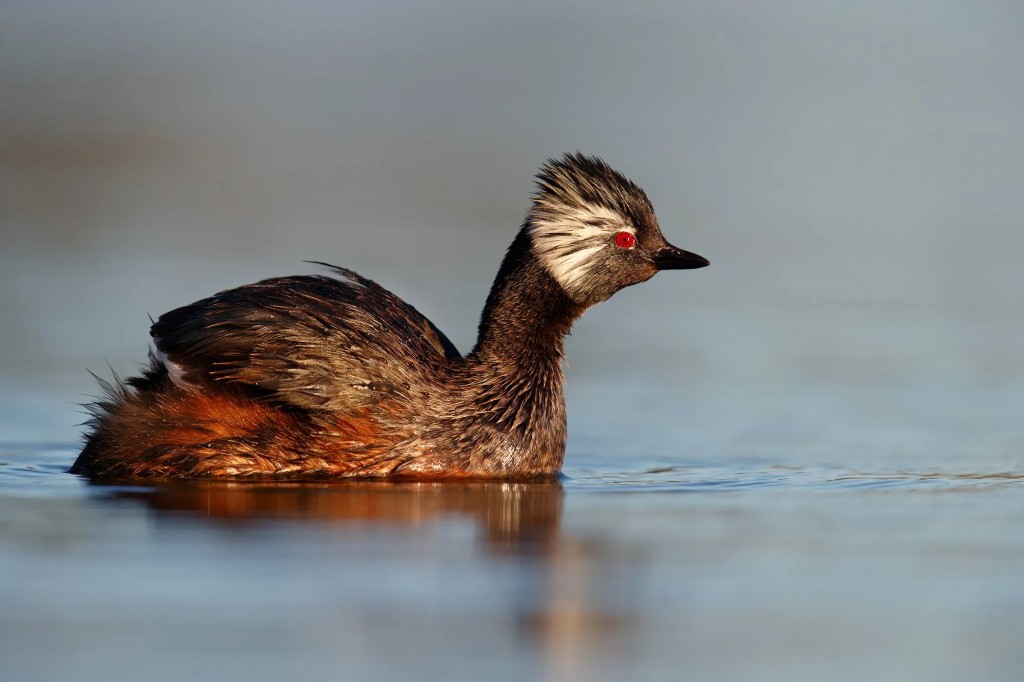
(783, 550)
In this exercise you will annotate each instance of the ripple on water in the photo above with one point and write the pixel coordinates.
(37, 469)
(744, 476)
(40, 469)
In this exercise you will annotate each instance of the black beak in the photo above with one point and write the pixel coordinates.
(671, 258)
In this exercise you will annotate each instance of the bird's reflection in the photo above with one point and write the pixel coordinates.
(558, 603)
(511, 515)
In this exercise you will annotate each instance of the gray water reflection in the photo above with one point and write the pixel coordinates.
(725, 569)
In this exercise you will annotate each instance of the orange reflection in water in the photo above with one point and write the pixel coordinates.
(509, 513)
(560, 611)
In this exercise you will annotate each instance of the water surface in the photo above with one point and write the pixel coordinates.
(750, 551)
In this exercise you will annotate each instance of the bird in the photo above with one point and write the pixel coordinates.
(332, 376)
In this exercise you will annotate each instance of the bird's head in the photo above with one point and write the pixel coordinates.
(595, 232)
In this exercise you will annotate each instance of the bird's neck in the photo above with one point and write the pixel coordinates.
(527, 315)
(514, 379)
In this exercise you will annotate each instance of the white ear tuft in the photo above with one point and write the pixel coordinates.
(568, 239)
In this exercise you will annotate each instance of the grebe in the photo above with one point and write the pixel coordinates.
(334, 376)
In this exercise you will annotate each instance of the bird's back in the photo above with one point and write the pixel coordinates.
(313, 342)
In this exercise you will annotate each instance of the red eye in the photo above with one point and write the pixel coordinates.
(625, 240)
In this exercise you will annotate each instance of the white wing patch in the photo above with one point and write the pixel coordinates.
(174, 371)
(567, 240)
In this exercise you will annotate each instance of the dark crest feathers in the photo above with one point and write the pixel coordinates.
(577, 178)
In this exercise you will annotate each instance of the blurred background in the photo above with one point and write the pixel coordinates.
(852, 170)
(803, 462)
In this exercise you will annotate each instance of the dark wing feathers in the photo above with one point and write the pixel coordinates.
(313, 341)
